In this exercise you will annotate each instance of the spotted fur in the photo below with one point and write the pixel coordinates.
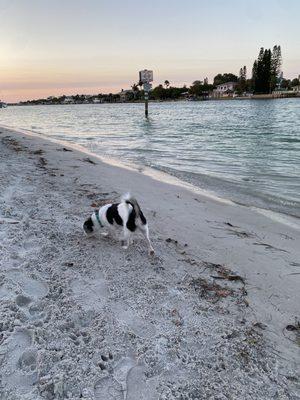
(126, 216)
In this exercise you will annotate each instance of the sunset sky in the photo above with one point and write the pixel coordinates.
(90, 46)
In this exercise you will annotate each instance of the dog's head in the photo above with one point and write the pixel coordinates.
(88, 226)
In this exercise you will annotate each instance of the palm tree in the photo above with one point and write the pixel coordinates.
(167, 83)
(135, 89)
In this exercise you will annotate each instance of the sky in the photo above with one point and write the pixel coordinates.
(51, 48)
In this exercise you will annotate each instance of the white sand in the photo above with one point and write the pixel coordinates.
(83, 319)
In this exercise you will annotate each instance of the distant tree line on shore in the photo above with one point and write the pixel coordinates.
(266, 77)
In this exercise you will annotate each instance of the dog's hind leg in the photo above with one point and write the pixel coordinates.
(145, 231)
(125, 238)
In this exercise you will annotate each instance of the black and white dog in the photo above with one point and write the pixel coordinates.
(126, 215)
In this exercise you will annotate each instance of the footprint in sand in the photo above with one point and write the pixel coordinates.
(140, 326)
(20, 361)
(27, 361)
(127, 381)
(113, 387)
(22, 288)
(90, 294)
(108, 389)
(30, 286)
(138, 388)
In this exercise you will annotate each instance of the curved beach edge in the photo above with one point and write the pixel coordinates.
(164, 177)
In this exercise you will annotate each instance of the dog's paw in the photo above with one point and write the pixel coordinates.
(151, 252)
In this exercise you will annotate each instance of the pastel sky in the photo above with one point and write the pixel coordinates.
(90, 46)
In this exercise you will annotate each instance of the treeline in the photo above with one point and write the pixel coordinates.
(266, 71)
(75, 99)
(266, 77)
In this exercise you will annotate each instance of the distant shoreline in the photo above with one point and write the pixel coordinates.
(254, 97)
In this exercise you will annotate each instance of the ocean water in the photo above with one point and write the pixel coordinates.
(245, 151)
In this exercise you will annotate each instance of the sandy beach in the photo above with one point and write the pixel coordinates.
(213, 315)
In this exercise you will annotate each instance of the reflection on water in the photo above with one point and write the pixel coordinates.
(248, 151)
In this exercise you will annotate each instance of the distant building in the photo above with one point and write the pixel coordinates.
(68, 100)
(126, 95)
(296, 89)
(225, 90)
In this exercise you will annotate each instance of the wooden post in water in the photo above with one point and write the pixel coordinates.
(146, 77)
(146, 103)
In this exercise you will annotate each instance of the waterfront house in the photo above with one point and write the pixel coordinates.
(296, 88)
(68, 100)
(224, 90)
(126, 95)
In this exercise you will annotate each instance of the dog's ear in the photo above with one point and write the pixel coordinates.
(88, 226)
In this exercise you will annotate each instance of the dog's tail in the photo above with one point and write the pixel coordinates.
(128, 199)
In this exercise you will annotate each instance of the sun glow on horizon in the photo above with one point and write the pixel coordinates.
(70, 47)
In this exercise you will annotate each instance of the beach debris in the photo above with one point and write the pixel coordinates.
(260, 325)
(236, 230)
(292, 378)
(231, 225)
(225, 273)
(241, 234)
(39, 151)
(63, 149)
(9, 221)
(104, 194)
(87, 159)
(229, 277)
(13, 144)
(42, 162)
(209, 290)
(99, 202)
(228, 223)
(269, 247)
(176, 317)
(68, 264)
(189, 260)
(295, 264)
(199, 201)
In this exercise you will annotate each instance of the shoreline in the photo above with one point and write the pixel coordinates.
(165, 177)
(266, 96)
(46, 193)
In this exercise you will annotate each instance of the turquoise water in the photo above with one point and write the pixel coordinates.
(247, 151)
